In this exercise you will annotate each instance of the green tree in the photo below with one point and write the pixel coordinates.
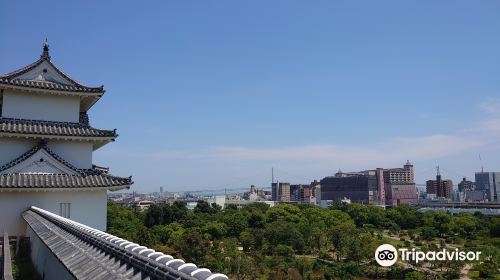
(146, 237)
(236, 223)
(366, 214)
(464, 224)
(154, 216)
(216, 230)
(123, 221)
(179, 211)
(405, 216)
(192, 246)
(414, 275)
(284, 251)
(341, 237)
(168, 234)
(247, 240)
(283, 233)
(202, 206)
(438, 220)
(284, 212)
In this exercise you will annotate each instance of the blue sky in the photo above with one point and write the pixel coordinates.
(212, 94)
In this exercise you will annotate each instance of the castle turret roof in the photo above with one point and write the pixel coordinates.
(44, 76)
(41, 168)
(55, 130)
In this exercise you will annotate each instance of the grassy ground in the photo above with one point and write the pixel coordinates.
(474, 274)
(23, 269)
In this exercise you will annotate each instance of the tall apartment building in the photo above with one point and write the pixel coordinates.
(296, 192)
(489, 183)
(286, 192)
(281, 192)
(403, 175)
(400, 185)
(307, 193)
(439, 187)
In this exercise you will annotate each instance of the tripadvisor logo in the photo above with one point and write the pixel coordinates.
(387, 255)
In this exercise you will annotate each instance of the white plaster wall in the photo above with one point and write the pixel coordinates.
(12, 148)
(46, 263)
(36, 106)
(87, 207)
(77, 153)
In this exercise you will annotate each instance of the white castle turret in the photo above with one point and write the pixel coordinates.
(46, 146)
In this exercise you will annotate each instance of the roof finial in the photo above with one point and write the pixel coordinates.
(45, 53)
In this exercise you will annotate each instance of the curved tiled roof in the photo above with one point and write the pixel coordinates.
(49, 85)
(22, 70)
(20, 126)
(64, 181)
(13, 80)
(97, 177)
(88, 253)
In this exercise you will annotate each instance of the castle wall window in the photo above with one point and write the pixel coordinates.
(65, 210)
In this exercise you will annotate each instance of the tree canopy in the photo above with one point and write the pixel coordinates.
(305, 241)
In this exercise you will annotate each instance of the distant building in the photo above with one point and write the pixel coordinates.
(489, 183)
(255, 194)
(380, 186)
(458, 196)
(441, 188)
(466, 185)
(218, 199)
(144, 204)
(314, 186)
(281, 192)
(360, 187)
(475, 196)
(403, 175)
(298, 192)
(304, 192)
(399, 185)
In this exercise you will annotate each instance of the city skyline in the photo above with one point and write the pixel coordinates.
(207, 95)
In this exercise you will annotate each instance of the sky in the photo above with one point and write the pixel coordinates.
(213, 94)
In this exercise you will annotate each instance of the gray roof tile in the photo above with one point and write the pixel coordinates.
(20, 126)
(89, 254)
(48, 181)
(86, 178)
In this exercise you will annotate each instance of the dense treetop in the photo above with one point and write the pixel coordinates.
(308, 242)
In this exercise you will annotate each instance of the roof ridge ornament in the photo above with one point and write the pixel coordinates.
(45, 53)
